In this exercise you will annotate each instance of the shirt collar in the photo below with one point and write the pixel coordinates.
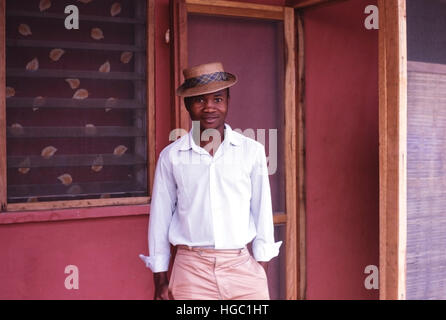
(230, 137)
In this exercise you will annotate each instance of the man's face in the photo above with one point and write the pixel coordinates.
(210, 109)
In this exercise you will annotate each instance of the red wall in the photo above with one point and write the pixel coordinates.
(342, 161)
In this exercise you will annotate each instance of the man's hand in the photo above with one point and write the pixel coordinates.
(161, 286)
(264, 264)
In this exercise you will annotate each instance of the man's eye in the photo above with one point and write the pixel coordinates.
(218, 100)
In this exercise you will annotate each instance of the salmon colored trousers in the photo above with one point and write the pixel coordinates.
(209, 274)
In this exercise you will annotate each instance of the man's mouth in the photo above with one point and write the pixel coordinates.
(210, 120)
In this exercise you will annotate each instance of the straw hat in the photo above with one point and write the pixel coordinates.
(204, 79)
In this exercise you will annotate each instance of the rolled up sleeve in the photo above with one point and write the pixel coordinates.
(161, 210)
(158, 263)
(264, 247)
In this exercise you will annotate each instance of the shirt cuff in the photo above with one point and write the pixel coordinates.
(158, 263)
(265, 251)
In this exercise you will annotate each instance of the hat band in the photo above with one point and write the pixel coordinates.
(205, 79)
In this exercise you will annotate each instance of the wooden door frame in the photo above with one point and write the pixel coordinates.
(3, 168)
(295, 278)
(392, 148)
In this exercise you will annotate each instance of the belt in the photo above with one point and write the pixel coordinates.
(210, 250)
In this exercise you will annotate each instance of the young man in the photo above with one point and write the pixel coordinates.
(211, 197)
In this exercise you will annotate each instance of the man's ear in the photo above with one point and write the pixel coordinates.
(185, 105)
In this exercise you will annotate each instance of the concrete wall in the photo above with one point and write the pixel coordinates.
(341, 95)
(342, 180)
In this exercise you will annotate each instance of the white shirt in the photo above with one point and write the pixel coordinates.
(222, 201)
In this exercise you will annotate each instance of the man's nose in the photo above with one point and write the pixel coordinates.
(209, 105)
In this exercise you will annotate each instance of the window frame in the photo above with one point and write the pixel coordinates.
(151, 130)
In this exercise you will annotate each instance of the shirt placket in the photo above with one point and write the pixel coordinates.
(215, 199)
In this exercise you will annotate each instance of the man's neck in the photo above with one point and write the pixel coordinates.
(212, 144)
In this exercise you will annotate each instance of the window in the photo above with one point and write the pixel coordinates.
(79, 102)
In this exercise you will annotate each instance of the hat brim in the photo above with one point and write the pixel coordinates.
(207, 88)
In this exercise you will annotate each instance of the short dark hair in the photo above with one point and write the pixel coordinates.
(189, 100)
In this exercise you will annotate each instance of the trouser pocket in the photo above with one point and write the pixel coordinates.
(171, 281)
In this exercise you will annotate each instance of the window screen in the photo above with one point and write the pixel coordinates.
(426, 150)
(76, 100)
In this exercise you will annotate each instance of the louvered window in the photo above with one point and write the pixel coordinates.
(77, 100)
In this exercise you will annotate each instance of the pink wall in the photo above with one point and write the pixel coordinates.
(34, 257)
(341, 59)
